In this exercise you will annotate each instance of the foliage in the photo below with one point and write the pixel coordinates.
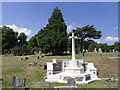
(14, 43)
(15, 51)
(86, 33)
(22, 39)
(25, 50)
(33, 44)
(9, 38)
(53, 37)
(104, 47)
(92, 46)
(117, 46)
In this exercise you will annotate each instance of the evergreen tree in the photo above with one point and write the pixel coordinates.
(33, 44)
(22, 39)
(53, 37)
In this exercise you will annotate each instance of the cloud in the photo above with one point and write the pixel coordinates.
(70, 27)
(115, 28)
(99, 42)
(111, 38)
(20, 30)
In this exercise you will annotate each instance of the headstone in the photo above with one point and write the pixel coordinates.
(57, 67)
(26, 58)
(71, 81)
(40, 52)
(99, 50)
(95, 50)
(18, 82)
(45, 66)
(87, 77)
(68, 52)
(83, 52)
(1, 79)
(113, 50)
(35, 52)
(116, 51)
(38, 57)
(21, 59)
(86, 51)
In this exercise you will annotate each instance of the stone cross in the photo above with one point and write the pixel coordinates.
(73, 46)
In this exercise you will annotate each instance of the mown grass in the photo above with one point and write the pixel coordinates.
(12, 66)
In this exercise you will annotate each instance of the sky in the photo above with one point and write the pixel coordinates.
(30, 17)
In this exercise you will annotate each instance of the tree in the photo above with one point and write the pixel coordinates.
(25, 50)
(53, 37)
(87, 32)
(104, 47)
(33, 44)
(117, 46)
(92, 46)
(22, 39)
(9, 38)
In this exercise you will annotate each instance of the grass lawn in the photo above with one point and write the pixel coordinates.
(12, 66)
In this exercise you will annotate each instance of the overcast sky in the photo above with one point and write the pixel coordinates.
(30, 17)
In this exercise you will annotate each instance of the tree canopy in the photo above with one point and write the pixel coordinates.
(9, 38)
(14, 43)
(53, 37)
(87, 32)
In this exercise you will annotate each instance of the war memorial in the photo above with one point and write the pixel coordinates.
(75, 70)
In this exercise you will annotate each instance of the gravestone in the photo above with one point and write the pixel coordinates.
(45, 66)
(42, 56)
(83, 52)
(1, 79)
(18, 82)
(87, 77)
(38, 57)
(35, 52)
(57, 67)
(40, 52)
(26, 58)
(100, 50)
(113, 51)
(87, 52)
(71, 81)
(68, 52)
(95, 50)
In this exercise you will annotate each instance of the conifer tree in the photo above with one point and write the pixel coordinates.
(53, 37)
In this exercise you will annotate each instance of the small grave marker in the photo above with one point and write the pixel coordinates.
(71, 81)
(18, 82)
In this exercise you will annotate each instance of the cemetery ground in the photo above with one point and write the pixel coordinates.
(13, 66)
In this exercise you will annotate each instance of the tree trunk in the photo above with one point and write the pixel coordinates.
(81, 46)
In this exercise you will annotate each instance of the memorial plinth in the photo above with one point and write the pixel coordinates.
(65, 70)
